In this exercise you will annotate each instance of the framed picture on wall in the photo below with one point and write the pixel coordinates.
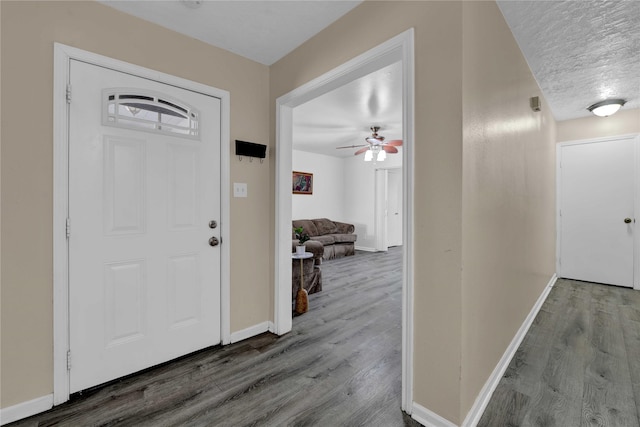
(302, 183)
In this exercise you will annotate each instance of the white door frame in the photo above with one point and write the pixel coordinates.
(636, 202)
(399, 48)
(62, 56)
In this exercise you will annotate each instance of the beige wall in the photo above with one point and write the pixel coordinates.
(28, 31)
(478, 165)
(508, 204)
(622, 123)
(438, 155)
(484, 199)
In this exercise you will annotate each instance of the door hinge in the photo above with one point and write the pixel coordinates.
(69, 94)
(68, 360)
(68, 227)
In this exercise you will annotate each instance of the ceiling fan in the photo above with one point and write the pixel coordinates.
(376, 145)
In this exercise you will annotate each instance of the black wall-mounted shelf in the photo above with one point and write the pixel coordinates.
(251, 150)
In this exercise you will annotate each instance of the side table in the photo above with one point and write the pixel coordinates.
(301, 307)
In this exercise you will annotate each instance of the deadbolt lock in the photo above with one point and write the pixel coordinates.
(213, 224)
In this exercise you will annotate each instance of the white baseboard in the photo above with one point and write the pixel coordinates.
(428, 418)
(365, 248)
(476, 411)
(252, 331)
(25, 409)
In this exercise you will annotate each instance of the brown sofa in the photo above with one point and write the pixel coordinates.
(337, 238)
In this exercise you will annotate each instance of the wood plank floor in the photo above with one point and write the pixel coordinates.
(340, 366)
(579, 364)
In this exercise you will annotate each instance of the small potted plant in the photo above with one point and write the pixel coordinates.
(302, 237)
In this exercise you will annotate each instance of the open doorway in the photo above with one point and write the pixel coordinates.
(333, 140)
(399, 48)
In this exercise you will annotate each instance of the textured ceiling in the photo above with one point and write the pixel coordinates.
(263, 31)
(580, 52)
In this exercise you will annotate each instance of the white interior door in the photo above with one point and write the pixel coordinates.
(394, 207)
(381, 213)
(144, 183)
(597, 196)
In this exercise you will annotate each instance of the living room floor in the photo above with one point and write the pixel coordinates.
(339, 366)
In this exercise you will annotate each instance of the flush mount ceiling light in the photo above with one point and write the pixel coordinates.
(607, 107)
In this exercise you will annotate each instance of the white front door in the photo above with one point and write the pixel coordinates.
(144, 184)
(597, 195)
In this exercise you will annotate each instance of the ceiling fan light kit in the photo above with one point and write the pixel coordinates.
(368, 156)
(607, 107)
(376, 146)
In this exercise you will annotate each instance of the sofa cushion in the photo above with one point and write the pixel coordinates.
(325, 226)
(307, 226)
(325, 240)
(344, 238)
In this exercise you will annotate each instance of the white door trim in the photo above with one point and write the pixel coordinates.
(62, 56)
(636, 203)
(399, 48)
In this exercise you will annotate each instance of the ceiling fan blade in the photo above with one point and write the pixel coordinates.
(360, 151)
(351, 146)
(390, 150)
(394, 142)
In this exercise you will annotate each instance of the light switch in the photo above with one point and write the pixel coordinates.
(239, 189)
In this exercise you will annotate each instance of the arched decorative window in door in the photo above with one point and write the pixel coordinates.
(149, 111)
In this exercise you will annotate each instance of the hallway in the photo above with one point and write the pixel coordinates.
(578, 364)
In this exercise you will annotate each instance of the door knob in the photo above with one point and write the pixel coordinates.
(627, 220)
(213, 241)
